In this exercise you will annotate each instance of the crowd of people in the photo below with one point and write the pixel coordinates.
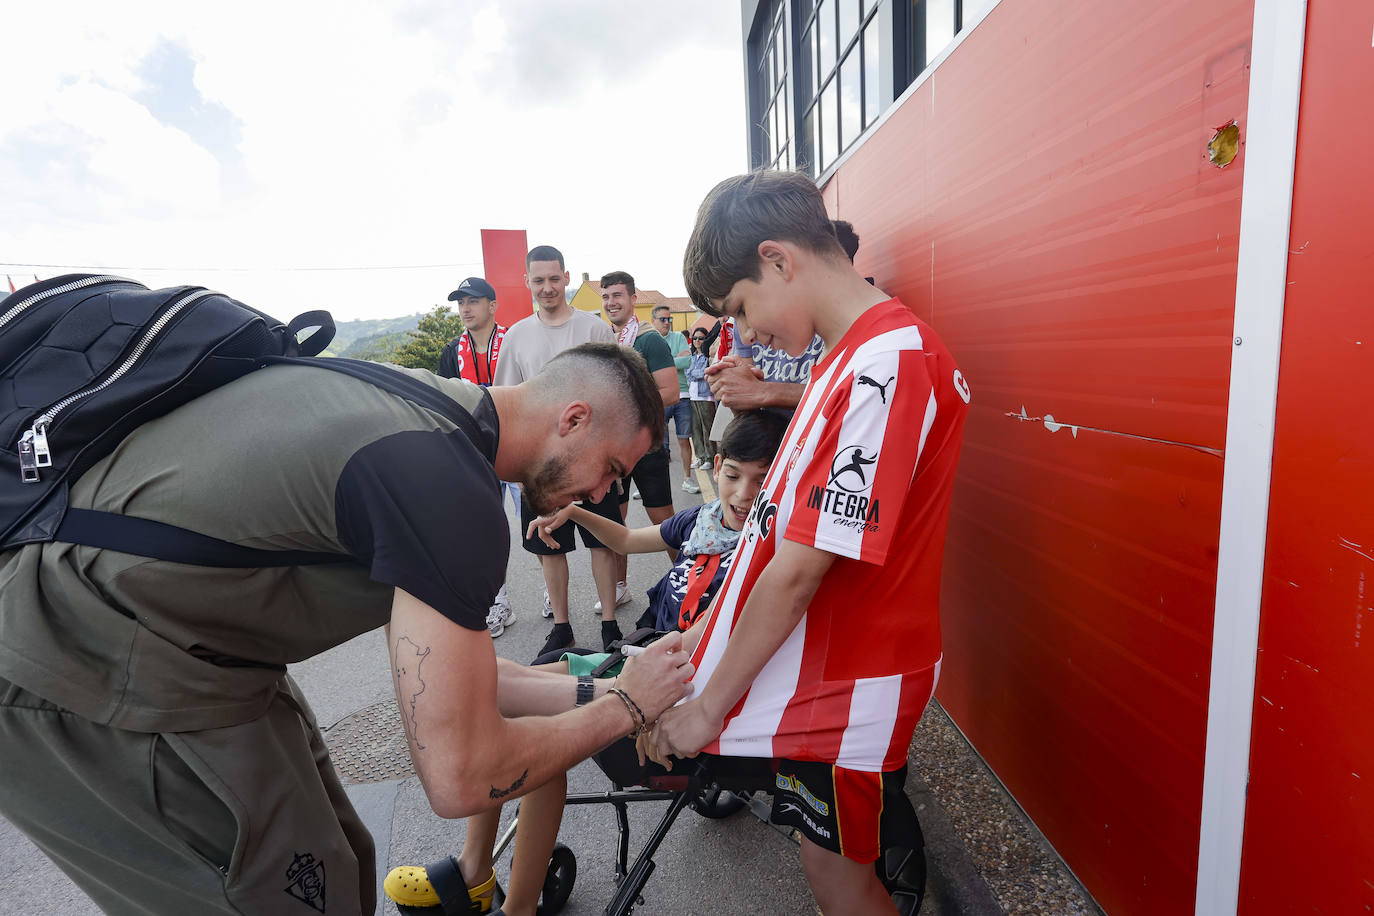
(152, 744)
(710, 366)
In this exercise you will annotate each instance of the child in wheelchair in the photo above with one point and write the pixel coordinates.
(705, 538)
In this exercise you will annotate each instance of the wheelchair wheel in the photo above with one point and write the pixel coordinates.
(716, 803)
(558, 882)
(903, 873)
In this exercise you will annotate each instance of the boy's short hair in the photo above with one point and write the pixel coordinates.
(619, 276)
(753, 435)
(545, 253)
(738, 215)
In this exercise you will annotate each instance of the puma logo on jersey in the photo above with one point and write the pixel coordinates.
(882, 389)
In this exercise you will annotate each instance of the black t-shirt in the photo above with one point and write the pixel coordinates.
(423, 510)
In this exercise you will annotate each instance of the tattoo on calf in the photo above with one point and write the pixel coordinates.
(407, 659)
(502, 793)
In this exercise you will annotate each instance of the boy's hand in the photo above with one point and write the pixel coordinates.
(682, 732)
(545, 525)
(736, 386)
(657, 677)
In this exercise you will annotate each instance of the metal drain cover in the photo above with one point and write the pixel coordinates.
(370, 745)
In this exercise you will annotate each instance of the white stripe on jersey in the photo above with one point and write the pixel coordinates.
(872, 717)
(925, 431)
(750, 734)
(863, 430)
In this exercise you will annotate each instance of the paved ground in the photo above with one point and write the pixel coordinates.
(985, 858)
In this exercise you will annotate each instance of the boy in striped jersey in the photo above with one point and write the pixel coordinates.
(823, 646)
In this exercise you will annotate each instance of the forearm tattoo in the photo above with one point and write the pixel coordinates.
(510, 789)
(407, 660)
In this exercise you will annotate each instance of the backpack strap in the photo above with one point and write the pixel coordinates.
(397, 383)
(158, 540)
(144, 537)
(313, 345)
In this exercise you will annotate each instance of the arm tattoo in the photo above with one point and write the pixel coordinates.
(408, 658)
(502, 793)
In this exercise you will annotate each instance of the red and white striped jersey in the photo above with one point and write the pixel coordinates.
(865, 472)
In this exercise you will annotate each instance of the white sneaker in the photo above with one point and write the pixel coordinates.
(547, 610)
(498, 618)
(634, 494)
(622, 596)
(691, 486)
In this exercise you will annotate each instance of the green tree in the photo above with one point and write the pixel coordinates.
(428, 339)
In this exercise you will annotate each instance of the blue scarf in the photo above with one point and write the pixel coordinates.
(709, 534)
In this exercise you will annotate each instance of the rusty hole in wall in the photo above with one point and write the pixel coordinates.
(1224, 146)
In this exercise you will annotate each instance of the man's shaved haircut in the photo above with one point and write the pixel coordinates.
(545, 253)
(738, 215)
(612, 379)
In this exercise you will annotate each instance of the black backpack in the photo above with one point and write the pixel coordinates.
(84, 359)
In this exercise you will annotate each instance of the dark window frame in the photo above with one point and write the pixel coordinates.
(781, 25)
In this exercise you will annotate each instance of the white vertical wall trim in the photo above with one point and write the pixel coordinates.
(1261, 274)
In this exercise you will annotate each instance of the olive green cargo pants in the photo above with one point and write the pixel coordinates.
(249, 819)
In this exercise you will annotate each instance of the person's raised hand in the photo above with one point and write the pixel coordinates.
(657, 677)
(545, 525)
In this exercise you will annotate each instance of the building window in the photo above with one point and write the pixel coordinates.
(843, 58)
(931, 25)
(774, 128)
(822, 72)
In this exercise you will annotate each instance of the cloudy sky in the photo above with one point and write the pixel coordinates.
(256, 147)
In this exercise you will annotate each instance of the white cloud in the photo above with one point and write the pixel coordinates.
(370, 137)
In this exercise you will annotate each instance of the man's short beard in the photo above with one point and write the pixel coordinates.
(551, 477)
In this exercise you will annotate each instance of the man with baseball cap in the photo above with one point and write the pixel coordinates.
(472, 356)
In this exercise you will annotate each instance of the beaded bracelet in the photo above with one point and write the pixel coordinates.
(636, 714)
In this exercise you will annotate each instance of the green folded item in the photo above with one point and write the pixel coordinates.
(585, 664)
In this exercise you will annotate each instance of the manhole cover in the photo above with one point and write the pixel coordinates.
(370, 745)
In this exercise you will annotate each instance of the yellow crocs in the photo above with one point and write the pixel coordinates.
(410, 886)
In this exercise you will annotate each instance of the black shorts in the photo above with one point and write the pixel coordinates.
(850, 812)
(608, 508)
(650, 474)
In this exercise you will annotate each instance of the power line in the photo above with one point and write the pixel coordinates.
(27, 264)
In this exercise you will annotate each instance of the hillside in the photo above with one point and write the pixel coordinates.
(365, 336)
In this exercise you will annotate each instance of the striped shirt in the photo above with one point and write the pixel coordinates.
(865, 472)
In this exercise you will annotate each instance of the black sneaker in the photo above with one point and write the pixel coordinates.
(610, 632)
(560, 637)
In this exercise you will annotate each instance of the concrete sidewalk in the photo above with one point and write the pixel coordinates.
(985, 858)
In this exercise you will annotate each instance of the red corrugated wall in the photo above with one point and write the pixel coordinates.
(1046, 203)
(1309, 830)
